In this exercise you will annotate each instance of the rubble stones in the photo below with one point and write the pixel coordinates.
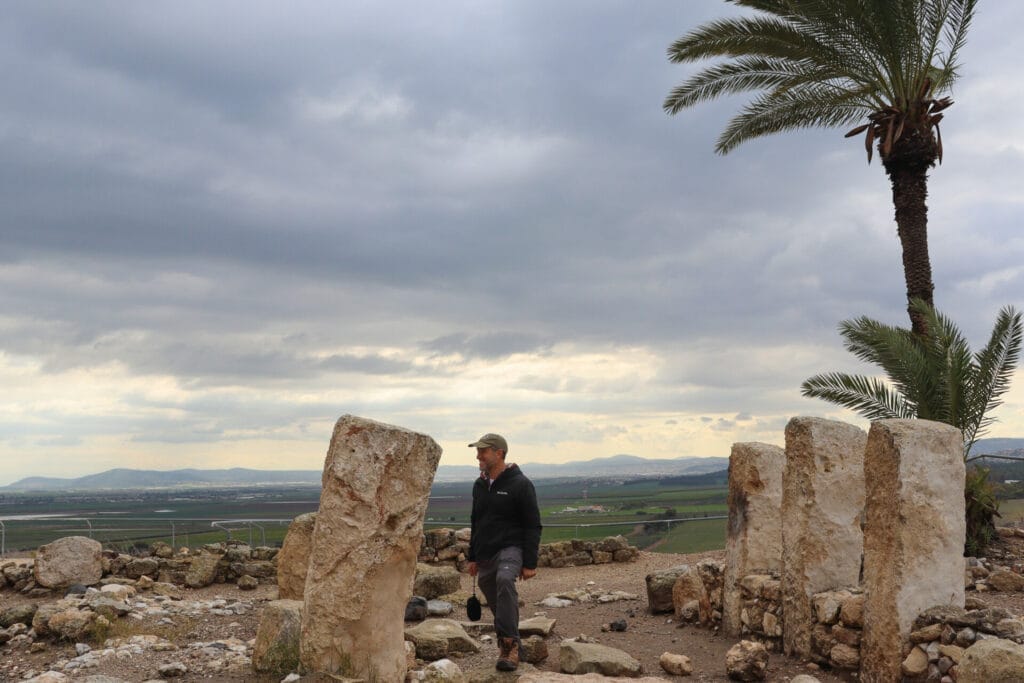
(747, 661)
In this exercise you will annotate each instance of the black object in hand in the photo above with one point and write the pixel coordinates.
(473, 608)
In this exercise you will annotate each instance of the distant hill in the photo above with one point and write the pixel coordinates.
(614, 466)
(995, 446)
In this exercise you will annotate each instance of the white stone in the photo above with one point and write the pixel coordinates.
(753, 542)
(822, 505)
(914, 535)
(367, 536)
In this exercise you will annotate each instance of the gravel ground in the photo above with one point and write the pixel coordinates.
(645, 638)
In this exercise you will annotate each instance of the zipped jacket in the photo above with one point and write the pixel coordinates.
(505, 514)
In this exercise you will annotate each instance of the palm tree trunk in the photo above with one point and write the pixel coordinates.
(907, 166)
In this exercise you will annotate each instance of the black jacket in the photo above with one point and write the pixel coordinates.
(504, 515)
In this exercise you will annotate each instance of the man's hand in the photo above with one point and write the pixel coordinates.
(471, 568)
(525, 573)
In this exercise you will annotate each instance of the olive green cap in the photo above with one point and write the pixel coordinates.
(491, 441)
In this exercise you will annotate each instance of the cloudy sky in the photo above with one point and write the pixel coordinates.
(226, 224)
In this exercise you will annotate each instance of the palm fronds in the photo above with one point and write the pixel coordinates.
(931, 377)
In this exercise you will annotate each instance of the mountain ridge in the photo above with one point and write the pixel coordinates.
(126, 478)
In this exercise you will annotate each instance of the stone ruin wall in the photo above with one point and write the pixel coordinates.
(796, 584)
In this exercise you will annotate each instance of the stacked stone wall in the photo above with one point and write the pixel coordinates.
(942, 635)
(450, 546)
(837, 628)
(760, 617)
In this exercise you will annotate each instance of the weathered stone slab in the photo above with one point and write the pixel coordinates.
(367, 535)
(293, 560)
(753, 542)
(914, 535)
(585, 658)
(433, 582)
(822, 504)
(992, 661)
(276, 649)
(67, 561)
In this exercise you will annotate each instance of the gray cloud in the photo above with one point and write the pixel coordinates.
(240, 199)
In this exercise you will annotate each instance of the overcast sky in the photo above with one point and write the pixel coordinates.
(226, 224)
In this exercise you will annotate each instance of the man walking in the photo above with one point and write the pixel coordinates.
(504, 541)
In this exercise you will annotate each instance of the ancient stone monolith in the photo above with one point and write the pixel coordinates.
(293, 560)
(67, 561)
(913, 537)
(367, 535)
(822, 506)
(753, 541)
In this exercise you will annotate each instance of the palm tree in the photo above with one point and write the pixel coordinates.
(933, 378)
(824, 63)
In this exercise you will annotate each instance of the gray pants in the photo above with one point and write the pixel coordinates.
(497, 579)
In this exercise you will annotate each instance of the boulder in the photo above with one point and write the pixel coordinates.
(659, 588)
(71, 624)
(69, 560)
(439, 637)
(433, 582)
(367, 535)
(293, 560)
(747, 661)
(20, 614)
(276, 649)
(584, 658)
(142, 566)
(1006, 580)
(992, 660)
(203, 570)
(443, 671)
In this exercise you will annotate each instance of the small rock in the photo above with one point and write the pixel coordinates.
(747, 661)
(677, 665)
(619, 625)
(172, 670)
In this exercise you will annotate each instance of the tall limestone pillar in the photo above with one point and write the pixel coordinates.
(366, 537)
(822, 505)
(753, 542)
(913, 537)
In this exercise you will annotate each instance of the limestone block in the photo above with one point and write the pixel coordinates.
(69, 560)
(586, 658)
(822, 505)
(1006, 580)
(440, 636)
(367, 535)
(293, 560)
(276, 649)
(203, 570)
(753, 542)
(992, 660)
(914, 535)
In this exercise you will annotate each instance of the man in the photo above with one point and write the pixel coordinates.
(504, 541)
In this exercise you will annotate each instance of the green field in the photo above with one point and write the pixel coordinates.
(130, 520)
(1010, 511)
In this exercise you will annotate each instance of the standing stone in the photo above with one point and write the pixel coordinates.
(822, 504)
(914, 535)
(67, 561)
(753, 542)
(293, 560)
(367, 535)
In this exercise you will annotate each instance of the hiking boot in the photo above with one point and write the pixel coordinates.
(508, 659)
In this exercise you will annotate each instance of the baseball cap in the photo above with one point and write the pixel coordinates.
(491, 441)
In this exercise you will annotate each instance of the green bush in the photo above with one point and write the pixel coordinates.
(981, 507)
